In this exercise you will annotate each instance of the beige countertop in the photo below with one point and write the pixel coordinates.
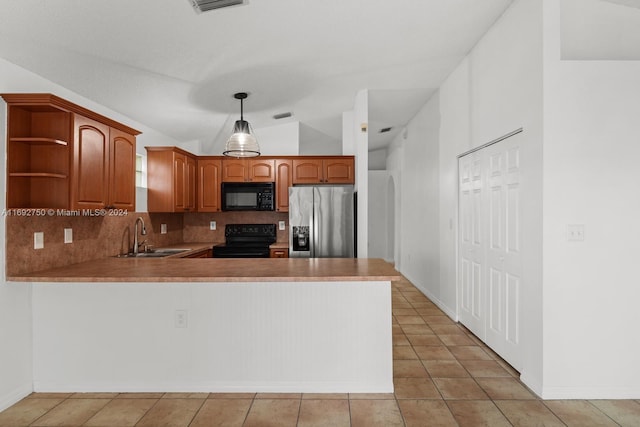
(177, 268)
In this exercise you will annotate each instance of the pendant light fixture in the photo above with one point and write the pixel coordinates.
(242, 142)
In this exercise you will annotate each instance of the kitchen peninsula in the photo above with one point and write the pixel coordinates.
(213, 325)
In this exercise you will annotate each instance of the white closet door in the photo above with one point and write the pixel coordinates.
(497, 254)
(471, 253)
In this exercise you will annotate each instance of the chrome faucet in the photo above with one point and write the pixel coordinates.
(143, 232)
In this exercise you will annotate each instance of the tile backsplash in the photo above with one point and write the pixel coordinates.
(101, 237)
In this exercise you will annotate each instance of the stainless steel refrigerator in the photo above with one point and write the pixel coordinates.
(321, 221)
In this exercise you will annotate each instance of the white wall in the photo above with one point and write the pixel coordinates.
(378, 245)
(416, 160)
(314, 142)
(280, 139)
(496, 89)
(591, 292)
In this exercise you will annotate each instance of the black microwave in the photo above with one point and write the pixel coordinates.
(248, 196)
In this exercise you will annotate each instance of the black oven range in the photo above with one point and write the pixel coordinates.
(246, 241)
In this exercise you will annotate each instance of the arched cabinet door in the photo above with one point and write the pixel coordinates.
(122, 170)
(90, 164)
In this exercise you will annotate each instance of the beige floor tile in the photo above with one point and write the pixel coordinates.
(459, 339)
(460, 389)
(429, 311)
(401, 304)
(438, 320)
(320, 396)
(579, 413)
(505, 388)
(320, 413)
(404, 352)
(445, 369)
(417, 330)
(433, 352)
(121, 413)
(415, 388)
(410, 320)
(49, 395)
(528, 413)
(477, 413)
(232, 395)
(484, 368)
(427, 413)
(409, 369)
(71, 412)
(396, 330)
(273, 412)
(171, 413)
(185, 395)
(447, 329)
(400, 339)
(404, 312)
(371, 396)
(140, 395)
(375, 413)
(93, 395)
(624, 412)
(27, 411)
(470, 353)
(421, 340)
(222, 412)
(279, 396)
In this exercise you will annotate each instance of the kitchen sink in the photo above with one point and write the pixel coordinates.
(156, 253)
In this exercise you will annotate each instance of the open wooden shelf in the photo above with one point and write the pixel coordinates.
(39, 141)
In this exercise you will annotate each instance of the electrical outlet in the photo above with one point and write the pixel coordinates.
(163, 228)
(212, 225)
(181, 318)
(38, 240)
(575, 232)
(281, 225)
(68, 235)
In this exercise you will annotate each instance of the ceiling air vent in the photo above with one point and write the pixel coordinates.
(385, 130)
(207, 5)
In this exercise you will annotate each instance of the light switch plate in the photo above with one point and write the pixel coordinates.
(281, 225)
(68, 235)
(575, 232)
(163, 228)
(38, 240)
(180, 318)
(212, 225)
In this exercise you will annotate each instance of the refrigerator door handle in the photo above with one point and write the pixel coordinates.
(313, 229)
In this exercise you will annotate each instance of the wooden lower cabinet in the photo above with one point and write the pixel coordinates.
(278, 253)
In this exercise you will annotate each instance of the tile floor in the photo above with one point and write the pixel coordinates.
(443, 376)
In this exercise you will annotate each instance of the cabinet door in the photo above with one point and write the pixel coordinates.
(339, 170)
(284, 179)
(234, 170)
(307, 171)
(122, 170)
(90, 164)
(190, 184)
(179, 174)
(262, 171)
(209, 175)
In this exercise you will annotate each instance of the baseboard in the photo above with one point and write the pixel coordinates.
(15, 396)
(216, 387)
(590, 393)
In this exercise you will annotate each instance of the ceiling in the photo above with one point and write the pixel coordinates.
(173, 70)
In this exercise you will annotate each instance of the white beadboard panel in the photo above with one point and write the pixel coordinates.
(268, 337)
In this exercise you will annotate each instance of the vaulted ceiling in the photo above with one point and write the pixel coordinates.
(164, 65)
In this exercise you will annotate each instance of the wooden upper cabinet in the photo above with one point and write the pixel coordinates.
(103, 166)
(122, 170)
(325, 170)
(284, 180)
(248, 170)
(209, 178)
(90, 178)
(171, 180)
(62, 155)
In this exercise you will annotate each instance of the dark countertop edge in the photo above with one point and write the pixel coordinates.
(175, 279)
